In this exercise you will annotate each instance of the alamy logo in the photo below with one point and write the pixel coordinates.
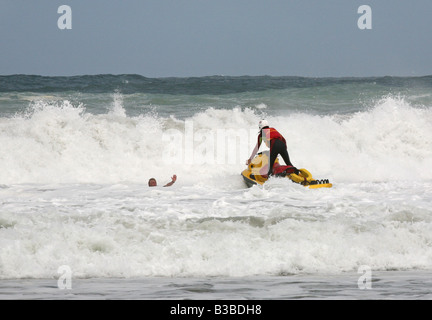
(65, 20)
(365, 280)
(207, 146)
(365, 21)
(65, 279)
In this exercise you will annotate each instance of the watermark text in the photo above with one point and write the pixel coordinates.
(65, 20)
(365, 280)
(65, 279)
(365, 20)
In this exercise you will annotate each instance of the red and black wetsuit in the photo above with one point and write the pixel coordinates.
(277, 144)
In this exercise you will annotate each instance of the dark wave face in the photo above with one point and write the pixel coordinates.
(213, 85)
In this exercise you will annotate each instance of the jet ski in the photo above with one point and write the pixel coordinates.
(256, 173)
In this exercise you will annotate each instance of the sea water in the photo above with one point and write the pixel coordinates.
(78, 220)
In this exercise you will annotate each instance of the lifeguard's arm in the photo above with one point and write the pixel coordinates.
(254, 152)
(173, 179)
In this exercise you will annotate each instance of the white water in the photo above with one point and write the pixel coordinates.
(73, 192)
(62, 143)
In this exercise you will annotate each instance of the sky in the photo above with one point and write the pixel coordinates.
(184, 38)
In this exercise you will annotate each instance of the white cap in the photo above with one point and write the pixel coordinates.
(262, 124)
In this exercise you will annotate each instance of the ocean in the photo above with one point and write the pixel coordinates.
(79, 221)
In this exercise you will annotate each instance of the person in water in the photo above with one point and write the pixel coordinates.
(153, 183)
(277, 144)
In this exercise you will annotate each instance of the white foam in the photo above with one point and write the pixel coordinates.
(131, 230)
(58, 142)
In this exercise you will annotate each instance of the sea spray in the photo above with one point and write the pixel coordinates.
(61, 142)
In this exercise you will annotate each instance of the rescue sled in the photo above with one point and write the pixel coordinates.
(256, 173)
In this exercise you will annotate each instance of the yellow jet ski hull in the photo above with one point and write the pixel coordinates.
(256, 174)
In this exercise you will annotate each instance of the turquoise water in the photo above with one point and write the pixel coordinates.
(188, 95)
